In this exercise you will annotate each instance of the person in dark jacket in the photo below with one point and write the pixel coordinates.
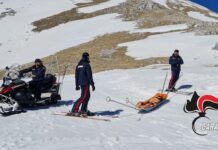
(38, 74)
(6, 77)
(175, 61)
(84, 79)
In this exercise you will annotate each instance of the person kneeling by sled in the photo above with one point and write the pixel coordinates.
(38, 74)
(152, 102)
(83, 77)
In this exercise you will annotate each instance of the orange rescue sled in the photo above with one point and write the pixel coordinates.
(152, 102)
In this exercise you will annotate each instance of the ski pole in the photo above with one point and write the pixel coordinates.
(164, 82)
(65, 71)
(58, 68)
(129, 102)
(108, 99)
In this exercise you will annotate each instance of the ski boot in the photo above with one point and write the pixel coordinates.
(171, 90)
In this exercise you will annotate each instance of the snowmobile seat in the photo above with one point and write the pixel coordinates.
(48, 82)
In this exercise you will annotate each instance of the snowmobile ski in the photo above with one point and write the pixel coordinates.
(8, 112)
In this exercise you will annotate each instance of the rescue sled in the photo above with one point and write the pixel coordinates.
(152, 103)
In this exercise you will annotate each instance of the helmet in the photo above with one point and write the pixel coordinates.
(85, 55)
(38, 60)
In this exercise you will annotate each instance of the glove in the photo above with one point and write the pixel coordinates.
(77, 88)
(93, 87)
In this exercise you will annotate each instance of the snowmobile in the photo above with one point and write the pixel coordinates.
(17, 95)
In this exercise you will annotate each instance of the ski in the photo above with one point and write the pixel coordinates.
(183, 92)
(180, 92)
(82, 117)
(97, 115)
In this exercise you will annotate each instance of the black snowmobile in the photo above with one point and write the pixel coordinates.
(18, 95)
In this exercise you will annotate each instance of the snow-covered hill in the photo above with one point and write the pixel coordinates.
(184, 25)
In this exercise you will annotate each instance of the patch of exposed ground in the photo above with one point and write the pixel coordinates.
(130, 10)
(105, 54)
(146, 13)
(69, 15)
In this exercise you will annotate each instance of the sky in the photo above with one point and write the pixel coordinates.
(210, 4)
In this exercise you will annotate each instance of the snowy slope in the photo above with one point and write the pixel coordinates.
(101, 6)
(166, 28)
(61, 37)
(201, 17)
(200, 47)
(161, 2)
(164, 128)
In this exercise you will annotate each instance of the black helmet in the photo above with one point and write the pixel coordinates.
(176, 50)
(7, 68)
(38, 60)
(85, 55)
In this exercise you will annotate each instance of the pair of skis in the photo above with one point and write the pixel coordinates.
(64, 114)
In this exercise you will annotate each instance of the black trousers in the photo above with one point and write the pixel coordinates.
(174, 79)
(83, 100)
(36, 87)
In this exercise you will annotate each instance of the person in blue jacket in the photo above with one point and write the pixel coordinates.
(84, 79)
(175, 61)
(38, 74)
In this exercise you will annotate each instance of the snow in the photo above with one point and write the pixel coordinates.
(161, 2)
(110, 3)
(166, 28)
(202, 17)
(17, 30)
(32, 45)
(161, 129)
(164, 44)
(213, 14)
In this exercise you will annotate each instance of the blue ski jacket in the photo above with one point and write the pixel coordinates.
(176, 62)
(83, 73)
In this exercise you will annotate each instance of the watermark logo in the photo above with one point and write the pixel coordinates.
(200, 104)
